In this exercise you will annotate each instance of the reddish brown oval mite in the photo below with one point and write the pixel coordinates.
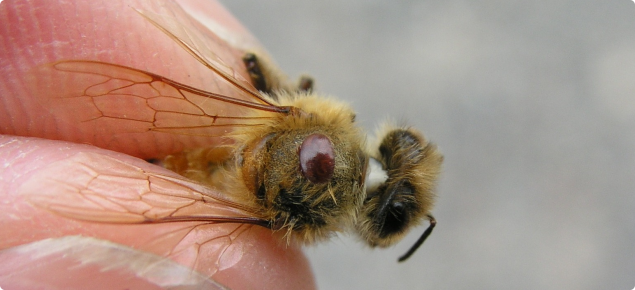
(317, 159)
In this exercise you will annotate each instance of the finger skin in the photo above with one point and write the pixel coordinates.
(39, 32)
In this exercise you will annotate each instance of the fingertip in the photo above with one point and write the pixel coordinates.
(109, 32)
(270, 264)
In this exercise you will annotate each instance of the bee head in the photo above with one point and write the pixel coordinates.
(401, 195)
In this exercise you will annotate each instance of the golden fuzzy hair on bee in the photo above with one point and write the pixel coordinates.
(315, 110)
(337, 202)
(334, 204)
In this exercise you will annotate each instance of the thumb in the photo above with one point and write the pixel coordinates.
(54, 189)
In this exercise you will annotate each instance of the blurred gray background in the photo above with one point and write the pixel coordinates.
(531, 102)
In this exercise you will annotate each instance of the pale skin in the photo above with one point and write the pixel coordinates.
(37, 143)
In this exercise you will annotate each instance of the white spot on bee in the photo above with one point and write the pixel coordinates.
(375, 175)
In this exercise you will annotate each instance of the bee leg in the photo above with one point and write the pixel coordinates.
(268, 79)
(255, 72)
(306, 84)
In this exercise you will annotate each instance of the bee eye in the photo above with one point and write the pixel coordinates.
(317, 159)
(396, 218)
(395, 214)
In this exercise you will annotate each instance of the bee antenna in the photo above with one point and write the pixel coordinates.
(424, 236)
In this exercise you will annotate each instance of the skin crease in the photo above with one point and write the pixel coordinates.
(37, 143)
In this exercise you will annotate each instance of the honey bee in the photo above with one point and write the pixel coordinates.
(291, 160)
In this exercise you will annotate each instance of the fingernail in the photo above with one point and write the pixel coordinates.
(76, 262)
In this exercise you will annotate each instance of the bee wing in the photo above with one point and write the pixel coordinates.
(192, 41)
(134, 100)
(105, 189)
